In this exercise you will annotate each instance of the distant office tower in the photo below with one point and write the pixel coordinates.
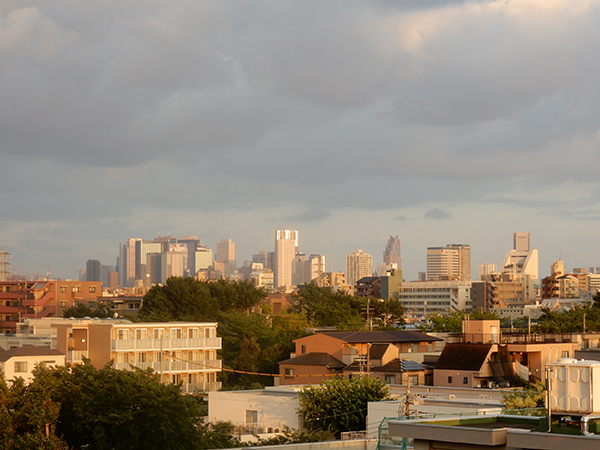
(522, 259)
(165, 241)
(483, 270)
(521, 242)
(286, 246)
(359, 264)
(192, 243)
(174, 262)
(261, 257)
(226, 255)
(452, 262)
(307, 268)
(112, 279)
(104, 270)
(127, 262)
(391, 254)
(93, 270)
(142, 250)
(203, 258)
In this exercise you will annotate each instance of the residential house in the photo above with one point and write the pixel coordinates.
(20, 362)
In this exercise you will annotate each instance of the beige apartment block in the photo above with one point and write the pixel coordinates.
(20, 362)
(181, 352)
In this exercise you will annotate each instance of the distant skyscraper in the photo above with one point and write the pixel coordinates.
(521, 242)
(522, 259)
(359, 264)
(452, 262)
(93, 270)
(286, 246)
(391, 254)
(226, 255)
(192, 243)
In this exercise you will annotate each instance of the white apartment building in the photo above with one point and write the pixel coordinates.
(421, 298)
(359, 264)
(181, 352)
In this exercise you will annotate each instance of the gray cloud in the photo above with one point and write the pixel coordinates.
(130, 118)
(437, 214)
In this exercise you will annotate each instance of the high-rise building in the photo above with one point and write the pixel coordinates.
(522, 259)
(226, 255)
(359, 264)
(203, 258)
(174, 262)
(391, 254)
(192, 243)
(286, 246)
(93, 270)
(452, 262)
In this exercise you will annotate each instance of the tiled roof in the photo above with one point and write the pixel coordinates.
(463, 356)
(357, 337)
(5, 355)
(315, 359)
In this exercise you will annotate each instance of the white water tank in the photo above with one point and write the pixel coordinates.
(575, 386)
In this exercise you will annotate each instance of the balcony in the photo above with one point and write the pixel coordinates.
(166, 344)
(35, 302)
(513, 338)
(76, 356)
(174, 366)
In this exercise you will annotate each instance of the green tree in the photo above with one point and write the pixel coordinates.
(103, 310)
(532, 396)
(325, 307)
(451, 321)
(340, 405)
(187, 299)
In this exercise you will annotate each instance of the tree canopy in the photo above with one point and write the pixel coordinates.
(451, 321)
(340, 405)
(80, 406)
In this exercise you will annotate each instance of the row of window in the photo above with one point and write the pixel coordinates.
(63, 289)
(160, 333)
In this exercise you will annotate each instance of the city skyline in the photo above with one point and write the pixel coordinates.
(227, 120)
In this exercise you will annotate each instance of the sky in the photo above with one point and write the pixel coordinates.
(439, 121)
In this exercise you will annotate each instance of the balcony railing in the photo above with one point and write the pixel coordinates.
(167, 344)
(174, 366)
(512, 338)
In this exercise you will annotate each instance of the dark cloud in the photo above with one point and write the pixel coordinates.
(437, 214)
(310, 215)
(209, 117)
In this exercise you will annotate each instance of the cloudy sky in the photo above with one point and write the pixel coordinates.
(438, 121)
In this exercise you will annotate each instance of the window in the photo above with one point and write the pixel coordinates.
(303, 349)
(413, 380)
(92, 289)
(390, 379)
(142, 357)
(20, 366)
(192, 333)
(449, 380)
(75, 288)
(289, 373)
(140, 334)
(158, 333)
(63, 289)
(465, 380)
(251, 417)
(122, 334)
(63, 304)
(92, 304)
(565, 353)
(175, 333)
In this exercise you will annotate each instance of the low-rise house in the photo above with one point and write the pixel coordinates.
(260, 412)
(355, 353)
(20, 362)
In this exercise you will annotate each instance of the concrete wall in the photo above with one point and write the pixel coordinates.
(361, 444)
